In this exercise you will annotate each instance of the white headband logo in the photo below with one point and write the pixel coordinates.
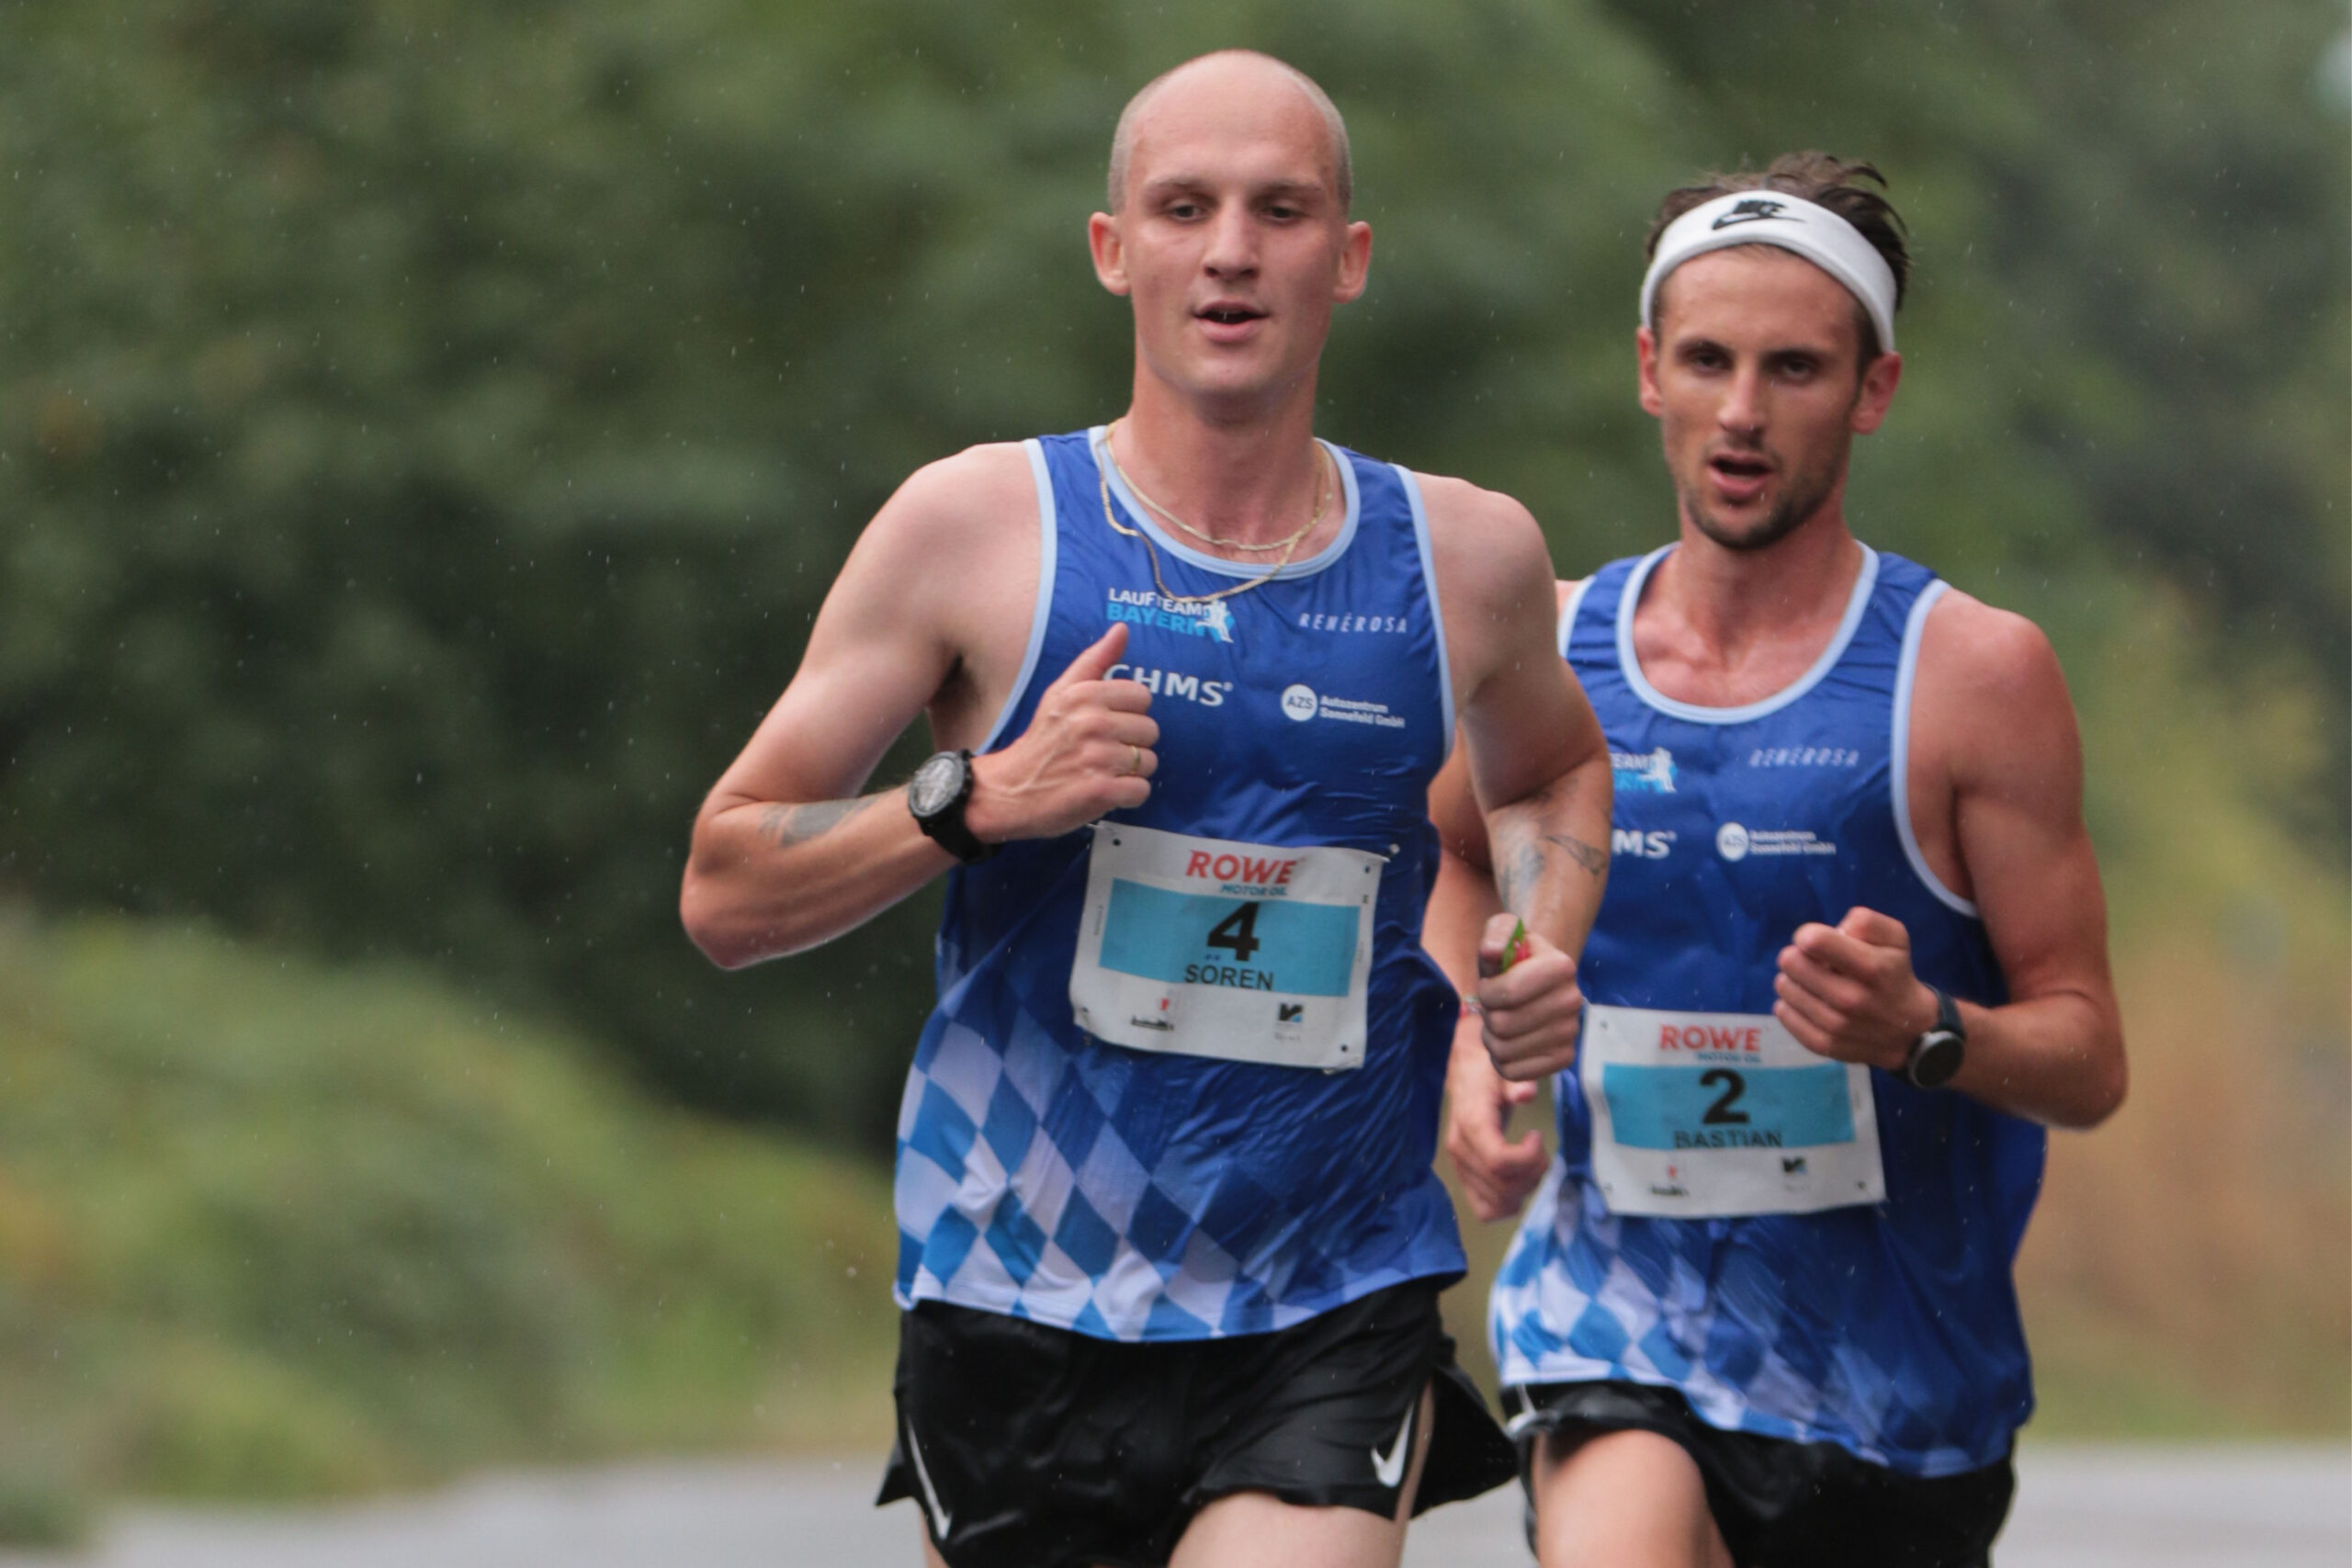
(1753, 209)
(1791, 223)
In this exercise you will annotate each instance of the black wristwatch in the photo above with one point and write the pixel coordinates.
(1936, 1055)
(937, 796)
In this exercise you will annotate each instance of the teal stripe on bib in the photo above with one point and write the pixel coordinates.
(1726, 1108)
(1307, 950)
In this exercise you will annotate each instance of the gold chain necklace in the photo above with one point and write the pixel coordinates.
(1136, 491)
(1103, 468)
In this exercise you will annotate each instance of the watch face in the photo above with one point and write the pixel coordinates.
(934, 784)
(1937, 1061)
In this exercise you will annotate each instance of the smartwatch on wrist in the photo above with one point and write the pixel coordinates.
(1936, 1055)
(935, 798)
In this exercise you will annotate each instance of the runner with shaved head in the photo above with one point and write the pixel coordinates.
(1170, 1240)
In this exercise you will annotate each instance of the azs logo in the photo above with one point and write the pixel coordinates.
(1656, 844)
(1302, 702)
(1169, 683)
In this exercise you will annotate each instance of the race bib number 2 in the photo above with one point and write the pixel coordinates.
(1207, 947)
(1705, 1114)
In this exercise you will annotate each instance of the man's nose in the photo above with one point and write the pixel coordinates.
(1743, 404)
(1233, 244)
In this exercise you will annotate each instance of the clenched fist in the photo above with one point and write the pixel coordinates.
(1848, 991)
(1087, 753)
(1532, 1009)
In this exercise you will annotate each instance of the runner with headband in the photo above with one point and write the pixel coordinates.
(1170, 1237)
(1851, 961)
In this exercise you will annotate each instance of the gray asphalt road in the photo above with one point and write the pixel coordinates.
(2077, 1507)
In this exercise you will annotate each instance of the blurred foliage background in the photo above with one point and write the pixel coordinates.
(426, 431)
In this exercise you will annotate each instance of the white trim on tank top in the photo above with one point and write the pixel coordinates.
(1568, 613)
(1858, 600)
(1899, 758)
(1428, 592)
(1048, 554)
(1139, 514)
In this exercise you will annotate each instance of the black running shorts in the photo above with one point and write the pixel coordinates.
(1030, 1446)
(1785, 1504)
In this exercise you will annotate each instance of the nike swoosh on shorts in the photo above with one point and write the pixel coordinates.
(940, 1518)
(1391, 1469)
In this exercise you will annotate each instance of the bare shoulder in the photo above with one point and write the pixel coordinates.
(954, 543)
(1989, 687)
(1486, 545)
(984, 489)
(1457, 506)
(1969, 644)
(961, 523)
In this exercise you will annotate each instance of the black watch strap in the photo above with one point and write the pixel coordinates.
(1948, 1014)
(942, 822)
(1936, 1055)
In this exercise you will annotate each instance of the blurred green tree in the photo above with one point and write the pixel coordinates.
(426, 430)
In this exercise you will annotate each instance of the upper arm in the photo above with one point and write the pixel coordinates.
(1991, 704)
(1454, 805)
(898, 624)
(1524, 720)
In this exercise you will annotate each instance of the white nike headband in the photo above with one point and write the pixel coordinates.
(1774, 218)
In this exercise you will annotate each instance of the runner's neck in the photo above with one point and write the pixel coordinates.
(1252, 481)
(1721, 627)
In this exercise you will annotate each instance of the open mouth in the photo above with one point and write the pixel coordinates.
(1739, 466)
(1229, 315)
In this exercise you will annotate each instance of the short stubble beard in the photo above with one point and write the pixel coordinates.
(1800, 499)
(1796, 506)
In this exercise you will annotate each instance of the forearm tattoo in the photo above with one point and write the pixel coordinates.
(1517, 871)
(784, 826)
(1594, 859)
(1522, 848)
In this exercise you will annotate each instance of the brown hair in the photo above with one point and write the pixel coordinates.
(1826, 181)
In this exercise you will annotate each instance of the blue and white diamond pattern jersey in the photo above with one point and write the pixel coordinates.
(1160, 1193)
(1884, 1321)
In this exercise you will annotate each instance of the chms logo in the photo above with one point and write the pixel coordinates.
(1755, 209)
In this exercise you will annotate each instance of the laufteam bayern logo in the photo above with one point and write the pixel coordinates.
(1187, 617)
(1642, 772)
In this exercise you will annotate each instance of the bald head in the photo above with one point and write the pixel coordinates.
(1229, 66)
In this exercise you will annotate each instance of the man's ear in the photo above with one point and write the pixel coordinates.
(1880, 377)
(1110, 251)
(1645, 357)
(1355, 264)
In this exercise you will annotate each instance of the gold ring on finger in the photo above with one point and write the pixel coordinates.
(1134, 758)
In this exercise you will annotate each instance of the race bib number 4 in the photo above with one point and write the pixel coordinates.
(1206, 947)
(1702, 1114)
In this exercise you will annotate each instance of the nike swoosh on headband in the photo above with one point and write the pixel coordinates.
(1791, 223)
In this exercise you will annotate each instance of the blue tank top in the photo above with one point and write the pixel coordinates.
(1135, 1194)
(1888, 1328)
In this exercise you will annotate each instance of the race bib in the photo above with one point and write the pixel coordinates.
(1206, 947)
(1701, 1114)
